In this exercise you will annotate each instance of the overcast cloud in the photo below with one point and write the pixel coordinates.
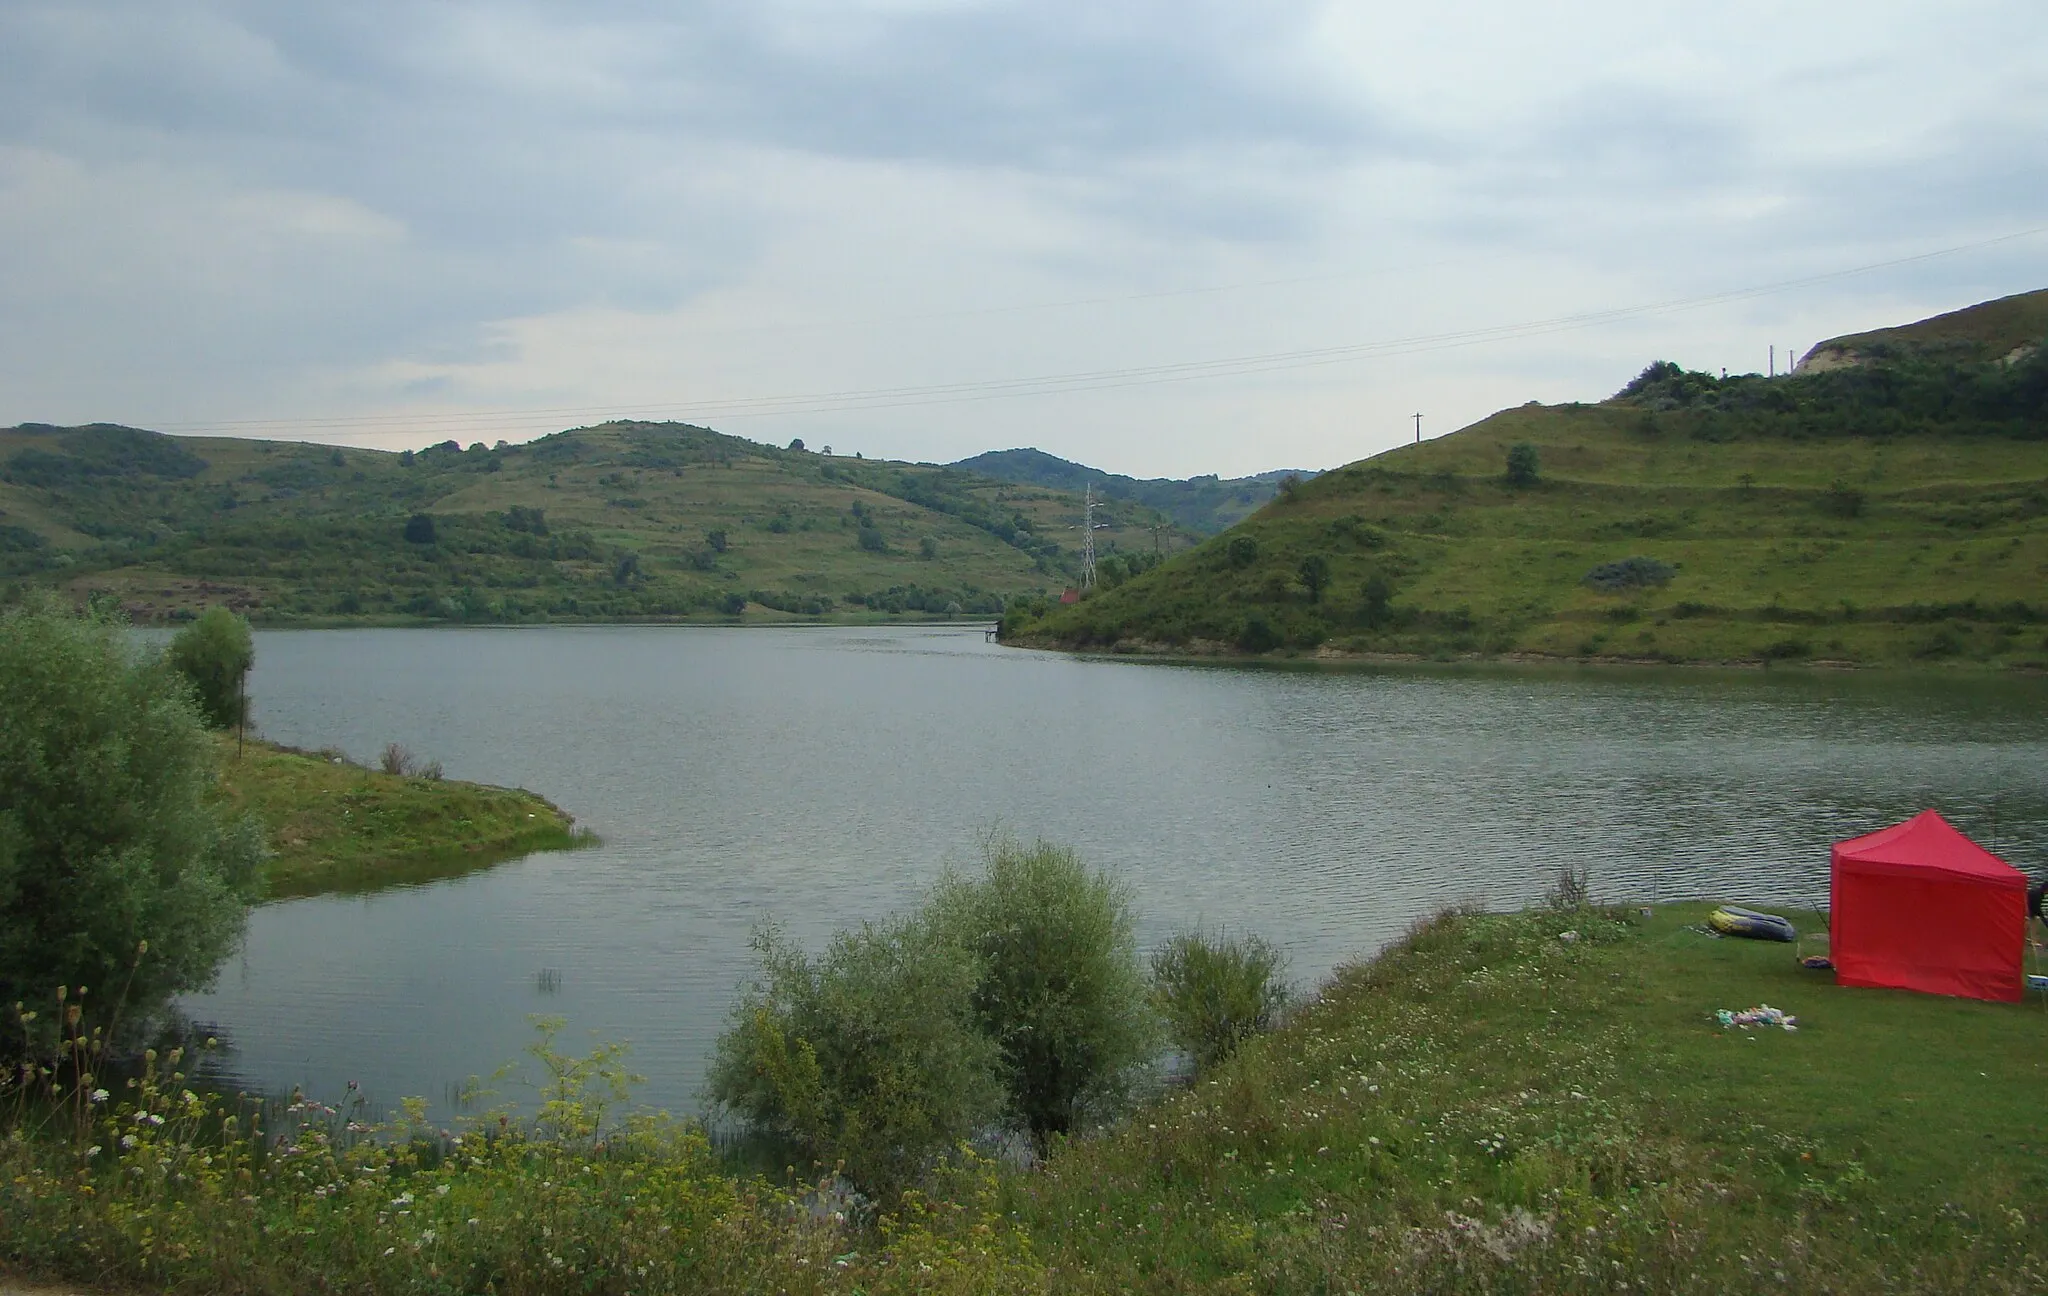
(389, 223)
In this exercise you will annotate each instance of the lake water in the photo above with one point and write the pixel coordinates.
(815, 777)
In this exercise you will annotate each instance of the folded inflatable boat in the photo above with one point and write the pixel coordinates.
(1732, 921)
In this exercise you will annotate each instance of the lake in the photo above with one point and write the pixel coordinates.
(817, 776)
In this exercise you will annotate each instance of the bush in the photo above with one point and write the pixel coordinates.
(1257, 634)
(1060, 992)
(1242, 551)
(1314, 572)
(1216, 992)
(871, 1055)
(398, 761)
(871, 539)
(110, 836)
(1842, 500)
(1629, 573)
(419, 529)
(214, 653)
(1522, 464)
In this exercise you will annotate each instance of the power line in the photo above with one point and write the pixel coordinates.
(886, 398)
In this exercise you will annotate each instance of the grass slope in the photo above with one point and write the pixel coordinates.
(1486, 1107)
(334, 826)
(1204, 505)
(1489, 1107)
(1894, 511)
(621, 520)
(1988, 331)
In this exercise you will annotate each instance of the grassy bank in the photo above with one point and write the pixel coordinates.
(1488, 1107)
(336, 826)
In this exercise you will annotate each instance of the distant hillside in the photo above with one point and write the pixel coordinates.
(1204, 505)
(1890, 510)
(620, 520)
(1995, 330)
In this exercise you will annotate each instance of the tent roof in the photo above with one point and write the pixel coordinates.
(1931, 842)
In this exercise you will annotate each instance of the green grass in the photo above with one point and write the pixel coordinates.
(1991, 330)
(1487, 1107)
(334, 826)
(303, 534)
(1491, 1108)
(1793, 532)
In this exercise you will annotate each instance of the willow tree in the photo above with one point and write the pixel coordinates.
(110, 837)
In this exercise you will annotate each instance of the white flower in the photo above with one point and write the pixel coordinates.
(127, 1140)
(92, 1151)
(100, 1095)
(440, 1190)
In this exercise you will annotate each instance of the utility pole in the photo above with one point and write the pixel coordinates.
(1774, 360)
(1088, 539)
(1418, 429)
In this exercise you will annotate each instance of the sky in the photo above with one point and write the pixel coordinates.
(1160, 238)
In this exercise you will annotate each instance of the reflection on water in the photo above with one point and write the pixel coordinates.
(816, 777)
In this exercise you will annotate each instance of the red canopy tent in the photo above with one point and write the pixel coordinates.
(1919, 906)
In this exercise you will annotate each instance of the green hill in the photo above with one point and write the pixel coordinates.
(619, 520)
(1891, 508)
(1204, 505)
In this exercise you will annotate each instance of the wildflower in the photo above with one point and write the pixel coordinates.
(440, 1190)
(100, 1095)
(127, 1141)
(92, 1151)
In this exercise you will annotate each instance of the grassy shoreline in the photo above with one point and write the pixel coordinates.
(335, 826)
(1491, 1105)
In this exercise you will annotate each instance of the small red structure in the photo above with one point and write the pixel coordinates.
(1070, 595)
(1919, 906)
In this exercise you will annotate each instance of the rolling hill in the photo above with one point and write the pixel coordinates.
(622, 520)
(1204, 505)
(1888, 506)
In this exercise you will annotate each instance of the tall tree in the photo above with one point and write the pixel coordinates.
(110, 836)
(215, 654)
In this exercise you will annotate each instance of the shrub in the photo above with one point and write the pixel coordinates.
(1314, 572)
(1629, 573)
(870, 1055)
(398, 761)
(1242, 551)
(871, 539)
(1257, 634)
(1842, 500)
(110, 835)
(214, 653)
(1522, 464)
(1060, 993)
(1215, 992)
(1375, 602)
(419, 529)
(1572, 890)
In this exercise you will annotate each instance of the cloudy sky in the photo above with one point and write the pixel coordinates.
(1164, 238)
